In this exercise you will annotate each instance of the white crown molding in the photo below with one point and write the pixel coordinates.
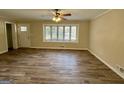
(107, 11)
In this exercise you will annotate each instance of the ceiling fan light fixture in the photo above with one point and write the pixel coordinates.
(58, 15)
(56, 19)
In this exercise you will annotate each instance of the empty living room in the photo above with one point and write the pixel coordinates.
(61, 46)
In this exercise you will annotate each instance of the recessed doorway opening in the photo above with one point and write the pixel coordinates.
(9, 36)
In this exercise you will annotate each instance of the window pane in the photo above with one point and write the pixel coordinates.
(60, 33)
(23, 28)
(67, 32)
(54, 33)
(73, 33)
(48, 33)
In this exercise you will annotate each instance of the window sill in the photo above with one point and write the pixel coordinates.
(61, 41)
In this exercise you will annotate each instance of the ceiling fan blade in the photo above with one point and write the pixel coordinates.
(52, 12)
(68, 14)
(63, 18)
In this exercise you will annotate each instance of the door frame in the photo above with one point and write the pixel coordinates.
(21, 24)
(14, 35)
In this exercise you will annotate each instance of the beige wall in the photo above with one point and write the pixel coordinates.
(3, 44)
(36, 32)
(3, 35)
(107, 38)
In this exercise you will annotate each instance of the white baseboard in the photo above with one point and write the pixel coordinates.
(60, 48)
(106, 63)
(1, 52)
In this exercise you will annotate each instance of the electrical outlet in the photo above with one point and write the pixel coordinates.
(121, 69)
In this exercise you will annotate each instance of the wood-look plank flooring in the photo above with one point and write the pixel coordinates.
(29, 66)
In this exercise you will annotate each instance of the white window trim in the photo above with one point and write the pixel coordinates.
(77, 33)
(24, 30)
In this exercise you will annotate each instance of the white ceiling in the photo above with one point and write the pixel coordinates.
(46, 14)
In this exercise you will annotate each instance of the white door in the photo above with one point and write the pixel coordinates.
(24, 35)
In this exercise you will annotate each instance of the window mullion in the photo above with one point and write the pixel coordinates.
(44, 33)
(57, 32)
(51, 32)
(63, 33)
(70, 34)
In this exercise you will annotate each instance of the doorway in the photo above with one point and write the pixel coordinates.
(24, 35)
(9, 36)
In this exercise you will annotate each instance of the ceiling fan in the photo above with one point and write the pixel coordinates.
(58, 15)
